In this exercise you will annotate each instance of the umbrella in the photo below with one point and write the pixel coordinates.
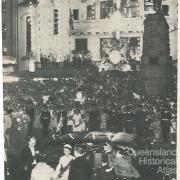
(127, 139)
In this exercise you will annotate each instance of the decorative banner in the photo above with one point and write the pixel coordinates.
(115, 56)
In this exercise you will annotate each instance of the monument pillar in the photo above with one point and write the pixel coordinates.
(156, 62)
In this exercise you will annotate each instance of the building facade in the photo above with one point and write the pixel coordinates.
(9, 34)
(56, 28)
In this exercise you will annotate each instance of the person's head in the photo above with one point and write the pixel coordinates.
(31, 141)
(79, 151)
(76, 111)
(9, 111)
(67, 149)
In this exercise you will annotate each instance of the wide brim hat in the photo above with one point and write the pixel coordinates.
(67, 146)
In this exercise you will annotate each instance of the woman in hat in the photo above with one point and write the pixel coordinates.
(62, 169)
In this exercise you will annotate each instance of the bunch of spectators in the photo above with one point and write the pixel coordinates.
(107, 101)
(74, 60)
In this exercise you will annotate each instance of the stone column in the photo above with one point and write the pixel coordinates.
(156, 63)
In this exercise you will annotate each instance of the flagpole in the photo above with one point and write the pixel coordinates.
(17, 36)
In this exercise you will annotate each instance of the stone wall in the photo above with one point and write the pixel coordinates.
(44, 41)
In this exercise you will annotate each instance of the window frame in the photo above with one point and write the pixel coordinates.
(77, 11)
(55, 21)
(103, 10)
(81, 49)
(90, 11)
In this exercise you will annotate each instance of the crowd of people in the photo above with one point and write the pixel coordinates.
(96, 101)
(88, 101)
(74, 60)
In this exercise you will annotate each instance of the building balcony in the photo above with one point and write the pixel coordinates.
(9, 64)
(29, 2)
(106, 25)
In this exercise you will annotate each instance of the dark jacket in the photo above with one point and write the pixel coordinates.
(27, 162)
(80, 169)
(30, 111)
(45, 117)
(94, 120)
(27, 158)
(64, 115)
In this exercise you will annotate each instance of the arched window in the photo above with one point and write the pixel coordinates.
(28, 35)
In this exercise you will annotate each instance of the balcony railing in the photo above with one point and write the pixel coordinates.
(29, 2)
(105, 25)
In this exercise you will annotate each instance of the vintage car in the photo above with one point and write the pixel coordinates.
(120, 149)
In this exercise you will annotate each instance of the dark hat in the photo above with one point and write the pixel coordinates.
(80, 149)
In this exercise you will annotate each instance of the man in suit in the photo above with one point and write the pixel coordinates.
(94, 119)
(80, 168)
(106, 171)
(128, 119)
(29, 157)
(30, 111)
(45, 120)
(140, 121)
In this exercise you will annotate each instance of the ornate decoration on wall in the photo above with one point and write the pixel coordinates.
(126, 46)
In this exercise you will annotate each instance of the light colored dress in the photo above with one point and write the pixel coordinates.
(63, 162)
(43, 171)
(77, 123)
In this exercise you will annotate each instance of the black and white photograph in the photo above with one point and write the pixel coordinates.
(89, 89)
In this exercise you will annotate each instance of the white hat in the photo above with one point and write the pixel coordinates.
(68, 146)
